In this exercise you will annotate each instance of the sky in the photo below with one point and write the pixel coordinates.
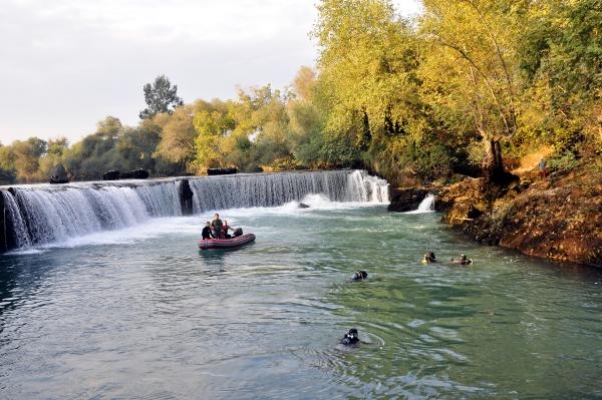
(65, 65)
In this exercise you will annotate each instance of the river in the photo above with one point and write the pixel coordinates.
(140, 313)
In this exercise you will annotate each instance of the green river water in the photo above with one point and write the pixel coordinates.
(140, 313)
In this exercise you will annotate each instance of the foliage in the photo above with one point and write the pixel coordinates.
(412, 100)
(563, 57)
(472, 68)
(8, 174)
(52, 158)
(27, 158)
(160, 97)
(177, 138)
(367, 77)
(213, 122)
(562, 162)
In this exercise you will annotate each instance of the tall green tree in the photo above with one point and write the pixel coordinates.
(8, 174)
(53, 157)
(160, 97)
(562, 57)
(307, 119)
(213, 122)
(472, 69)
(246, 133)
(94, 155)
(367, 67)
(269, 121)
(177, 144)
(27, 155)
(135, 147)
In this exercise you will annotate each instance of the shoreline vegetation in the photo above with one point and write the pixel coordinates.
(464, 100)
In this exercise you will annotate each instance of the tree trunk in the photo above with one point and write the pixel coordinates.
(493, 166)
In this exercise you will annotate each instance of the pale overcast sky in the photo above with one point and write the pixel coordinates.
(65, 65)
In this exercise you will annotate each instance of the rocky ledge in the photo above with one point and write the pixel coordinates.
(558, 218)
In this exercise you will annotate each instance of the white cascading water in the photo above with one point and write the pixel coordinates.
(427, 204)
(272, 190)
(364, 188)
(44, 214)
(11, 210)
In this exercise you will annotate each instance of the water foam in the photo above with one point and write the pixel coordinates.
(427, 205)
(44, 216)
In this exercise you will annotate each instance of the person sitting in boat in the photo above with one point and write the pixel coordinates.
(462, 261)
(359, 276)
(351, 338)
(207, 231)
(237, 232)
(216, 226)
(225, 229)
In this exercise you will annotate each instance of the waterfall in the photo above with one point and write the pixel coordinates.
(271, 190)
(427, 204)
(57, 213)
(40, 214)
(366, 189)
(11, 214)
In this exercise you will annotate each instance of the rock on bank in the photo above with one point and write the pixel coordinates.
(557, 218)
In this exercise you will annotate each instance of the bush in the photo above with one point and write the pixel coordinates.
(563, 162)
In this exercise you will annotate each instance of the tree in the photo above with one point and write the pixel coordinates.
(135, 147)
(160, 97)
(178, 136)
(472, 67)
(96, 153)
(8, 174)
(304, 84)
(53, 156)
(213, 122)
(306, 118)
(367, 81)
(27, 158)
(562, 57)
(245, 133)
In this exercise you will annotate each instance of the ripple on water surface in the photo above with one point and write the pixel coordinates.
(152, 318)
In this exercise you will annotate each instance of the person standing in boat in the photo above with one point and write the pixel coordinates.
(207, 231)
(217, 227)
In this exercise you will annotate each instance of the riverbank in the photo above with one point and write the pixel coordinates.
(558, 217)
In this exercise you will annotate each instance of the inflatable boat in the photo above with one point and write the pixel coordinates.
(214, 244)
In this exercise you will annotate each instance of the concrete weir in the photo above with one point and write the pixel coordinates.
(33, 215)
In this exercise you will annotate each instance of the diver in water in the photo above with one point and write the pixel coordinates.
(350, 338)
(359, 276)
(462, 261)
(429, 258)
